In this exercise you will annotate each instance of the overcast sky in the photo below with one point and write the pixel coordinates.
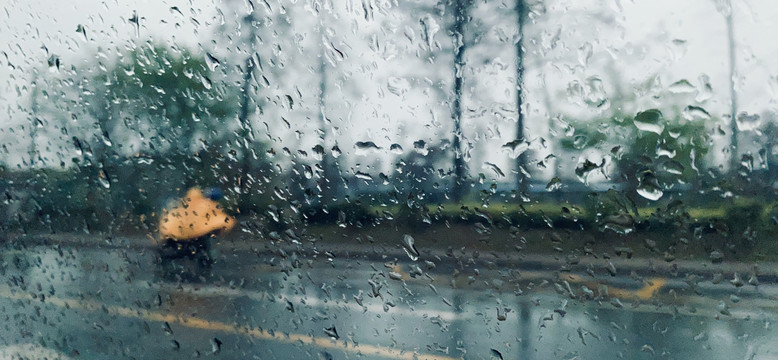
(638, 40)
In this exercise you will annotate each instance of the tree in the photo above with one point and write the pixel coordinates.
(726, 9)
(650, 151)
(160, 124)
(461, 10)
(521, 161)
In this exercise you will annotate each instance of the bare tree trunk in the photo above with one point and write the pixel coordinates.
(33, 149)
(521, 179)
(329, 177)
(460, 18)
(244, 202)
(732, 93)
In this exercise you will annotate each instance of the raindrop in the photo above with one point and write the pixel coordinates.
(692, 112)
(334, 51)
(420, 147)
(397, 85)
(706, 91)
(429, 27)
(207, 83)
(103, 178)
(649, 120)
(318, 152)
(516, 148)
(682, 86)
(663, 149)
(502, 313)
(583, 170)
(673, 167)
(211, 61)
(723, 308)
(81, 29)
(332, 332)
(409, 246)
(336, 151)
(363, 176)
(584, 53)
(648, 186)
(496, 355)
(54, 63)
(737, 281)
(365, 147)
(106, 139)
(175, 9)
(396, 149)
(748, 122)
(216, 346)
(135, 20)
(579, 142)
(554, 184)
(494, 168)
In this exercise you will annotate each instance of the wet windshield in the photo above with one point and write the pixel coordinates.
(377, 179)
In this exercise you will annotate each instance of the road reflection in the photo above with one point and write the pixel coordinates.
(103, 302)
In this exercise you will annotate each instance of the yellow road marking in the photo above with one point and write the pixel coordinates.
(198, 323)
(646, 292)
(651, 288)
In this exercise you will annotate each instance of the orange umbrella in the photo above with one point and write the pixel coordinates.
(194, 216)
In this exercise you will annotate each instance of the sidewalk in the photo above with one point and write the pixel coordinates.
(444, 259)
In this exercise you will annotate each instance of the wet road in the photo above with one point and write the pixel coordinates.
(95, 302)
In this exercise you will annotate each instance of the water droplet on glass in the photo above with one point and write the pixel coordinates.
(429, 27)
(363, 176)
(409, 246)
(673, 167)
(692, 112)
(103, 178)
(336, 151)
(207, 83)
(554, 184)
(366, 147)
(54, 63)
(318, 152)
(748, 122)
(211, 61)
(332, 332)
(579, 142)
(81, 29)
(396, 149)
(649, 120)
(648, 186)
(420, 147)
(496, 355)
(584, 53)
(216, 346)
(584, 169)
(706, 89)
(682, 86)
(516, 148)
(494, 168)
(398, 86)
(664, 149)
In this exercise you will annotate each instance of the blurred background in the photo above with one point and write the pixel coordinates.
(589, 115)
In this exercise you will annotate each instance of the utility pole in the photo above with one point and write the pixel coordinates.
(734, 161)
(244, 201)
(521, 179)
(460, 18)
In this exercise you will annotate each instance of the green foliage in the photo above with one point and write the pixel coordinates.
(669, 149)
(170, 93)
